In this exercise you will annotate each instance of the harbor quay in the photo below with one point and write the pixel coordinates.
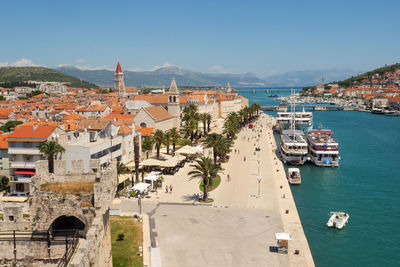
(238, 228)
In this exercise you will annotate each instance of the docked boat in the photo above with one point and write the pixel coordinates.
(303, 120)
(293, 147)
(294, 176)
(377, 111)
(323, 148)
(391, 113)
(338, 219)
(273, 96)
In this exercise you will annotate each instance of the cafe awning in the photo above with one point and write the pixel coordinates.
(283, 236)
(150, 163)
(140, 187)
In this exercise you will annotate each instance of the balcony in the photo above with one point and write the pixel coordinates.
(23, 164)
(20, 179)
(23, 151)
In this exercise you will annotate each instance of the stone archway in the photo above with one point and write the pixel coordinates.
(67, 225)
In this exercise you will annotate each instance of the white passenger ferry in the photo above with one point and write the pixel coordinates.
(323, 148)
(294, 147)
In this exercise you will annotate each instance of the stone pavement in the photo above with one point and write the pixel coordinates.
(238, 228)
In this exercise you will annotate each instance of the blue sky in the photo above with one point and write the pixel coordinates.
(262, 37)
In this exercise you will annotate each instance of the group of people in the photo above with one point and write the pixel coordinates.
(168, 188)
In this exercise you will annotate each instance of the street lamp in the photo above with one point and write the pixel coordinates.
(259, 178)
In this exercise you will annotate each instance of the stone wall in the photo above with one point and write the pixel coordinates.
(45, 207)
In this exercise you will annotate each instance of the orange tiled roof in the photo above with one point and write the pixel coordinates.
(3, 141)
(147, 131)
(124, 129)
(73, 117)
(158, 113)
(33, 132)
(153, 99)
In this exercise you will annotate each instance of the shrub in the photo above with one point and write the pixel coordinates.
(121, 236)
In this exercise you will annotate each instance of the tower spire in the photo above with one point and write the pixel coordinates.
(173, 88)
(118, 69)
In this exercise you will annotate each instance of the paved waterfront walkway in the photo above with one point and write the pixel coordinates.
(244, 234)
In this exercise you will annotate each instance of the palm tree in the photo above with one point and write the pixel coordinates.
(256, 107)
(189, 112)
(50, 149)
(147, 145)
(209, 119)
(224, 147)
(121, 168)
(214, 173)
(202, 170)
(191, 127)
(229, 129)
(175, 136)
(167, 140)
(137, 157)
(158, 139)
(212, 142)
(203, 118)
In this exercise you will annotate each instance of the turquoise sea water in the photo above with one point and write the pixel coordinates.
(366, 185)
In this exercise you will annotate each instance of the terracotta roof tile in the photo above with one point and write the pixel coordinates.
(31, 132)
(147, 131)
(3, 141)
(158, 113)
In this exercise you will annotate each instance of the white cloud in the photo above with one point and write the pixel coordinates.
(165, 65)
(80, 60)
(90, 67)
(86, 67)
(219, 69)
(23, 62)
(134, 69)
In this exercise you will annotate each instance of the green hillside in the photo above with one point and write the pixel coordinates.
(368, 76)
(40, 74)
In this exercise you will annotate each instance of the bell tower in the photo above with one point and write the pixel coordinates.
(173, 103)
(119, 80)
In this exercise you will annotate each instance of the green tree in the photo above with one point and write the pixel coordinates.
(203, 118)
(175, 136)
(121, 168)
(167, 140)
(137, 157)
(202, 171)
(158, 139)
(9, 125)
(211, 141)
(147, 145)
(50, 149)
(209, 119)
(191, 128)
(214, 173)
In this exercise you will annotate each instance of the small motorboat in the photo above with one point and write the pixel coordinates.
(338, 219)
(377, 111)
(294, 176)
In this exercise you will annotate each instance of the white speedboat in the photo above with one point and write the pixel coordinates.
(294, 176)
(338, 219)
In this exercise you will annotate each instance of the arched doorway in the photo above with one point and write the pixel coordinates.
(67, 225)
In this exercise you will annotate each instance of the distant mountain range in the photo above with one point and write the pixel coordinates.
(162, 77)
(40, 74)
(309, 77)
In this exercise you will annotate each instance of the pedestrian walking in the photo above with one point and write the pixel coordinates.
(235, 150)
(244, 159)
(229, 178)
(170, 188)
(166, 189)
